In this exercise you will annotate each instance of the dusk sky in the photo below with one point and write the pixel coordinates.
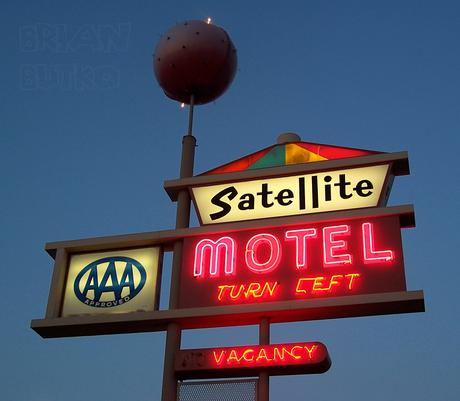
(87, 138)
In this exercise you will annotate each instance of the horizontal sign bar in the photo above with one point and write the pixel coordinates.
(233, 315)
(167, 237)
(276, 359)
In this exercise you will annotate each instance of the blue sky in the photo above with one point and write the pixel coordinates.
(87, 139)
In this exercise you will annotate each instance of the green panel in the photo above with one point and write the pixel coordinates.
(276, 157)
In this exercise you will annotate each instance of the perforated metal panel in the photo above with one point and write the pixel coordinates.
(218, 390)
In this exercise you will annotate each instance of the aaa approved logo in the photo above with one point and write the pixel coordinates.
(110, 281)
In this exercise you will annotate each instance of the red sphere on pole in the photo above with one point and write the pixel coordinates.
(195, 58)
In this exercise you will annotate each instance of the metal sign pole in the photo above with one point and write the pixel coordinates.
(173, 334)
(264, 378)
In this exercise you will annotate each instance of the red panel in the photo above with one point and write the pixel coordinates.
(317, 260)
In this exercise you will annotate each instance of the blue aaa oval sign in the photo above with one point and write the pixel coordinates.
(109, 281)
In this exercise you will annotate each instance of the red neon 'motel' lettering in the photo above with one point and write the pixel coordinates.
(263, 253)
(300, 237)
(370, 254)
(306, 260)
(332, 247)
(251, 257)
(223, 248)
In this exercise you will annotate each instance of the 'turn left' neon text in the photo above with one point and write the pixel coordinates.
(250, 291)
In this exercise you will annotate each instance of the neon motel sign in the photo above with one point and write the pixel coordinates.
(294, 358)
(293, 195)
(308, 259)
(357, 256)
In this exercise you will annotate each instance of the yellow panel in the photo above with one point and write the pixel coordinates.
(292, 195)
(295, 155)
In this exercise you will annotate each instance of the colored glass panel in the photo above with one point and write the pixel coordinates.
(290, 153)
(240, 164)
(276, 157)
(334, 152)
(296, 154)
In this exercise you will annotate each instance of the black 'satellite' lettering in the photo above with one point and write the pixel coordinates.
(364, 188)
(231, 192)
(284, 197)
(327, 188)
(342, 184)
(301, 193)
(264, 194)
(314, 191)
(246, 202)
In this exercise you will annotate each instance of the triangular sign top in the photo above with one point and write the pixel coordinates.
(290, 153)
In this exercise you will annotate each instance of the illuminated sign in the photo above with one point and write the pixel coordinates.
(324, 259)
(277, 359)
(285, 196)
(112, 282)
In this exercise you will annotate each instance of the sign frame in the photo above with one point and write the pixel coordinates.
(286, 311)
(233, 315)
(62, 259)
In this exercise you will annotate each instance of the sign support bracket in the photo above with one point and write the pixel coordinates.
(57, 284)
(264, 378)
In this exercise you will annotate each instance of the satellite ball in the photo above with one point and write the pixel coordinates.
(196, 58)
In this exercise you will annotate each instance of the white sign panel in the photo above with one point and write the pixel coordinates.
(293, 195)
(112, 282)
